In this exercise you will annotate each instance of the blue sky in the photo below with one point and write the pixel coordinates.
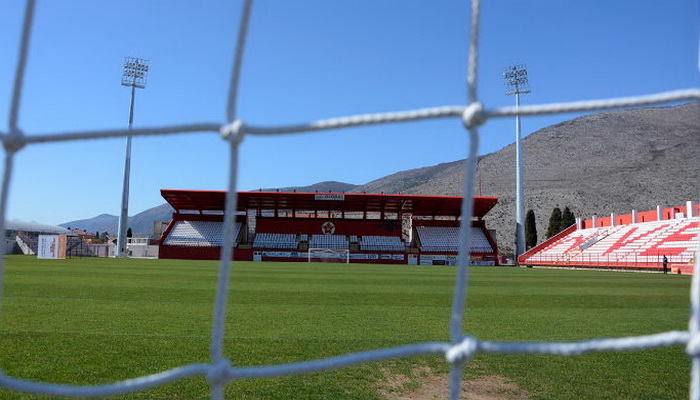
(305, 60)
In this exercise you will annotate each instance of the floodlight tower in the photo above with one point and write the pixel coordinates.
(134, 75)
(516, 83)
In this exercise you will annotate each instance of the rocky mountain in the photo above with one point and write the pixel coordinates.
(599, 163)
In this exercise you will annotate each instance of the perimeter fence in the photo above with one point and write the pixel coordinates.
(461, 347)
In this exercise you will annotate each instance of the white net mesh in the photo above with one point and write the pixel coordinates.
(461, 347)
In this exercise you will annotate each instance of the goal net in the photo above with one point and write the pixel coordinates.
(329, 255)
(461, 346)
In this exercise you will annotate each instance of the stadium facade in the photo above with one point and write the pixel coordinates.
(346, 227)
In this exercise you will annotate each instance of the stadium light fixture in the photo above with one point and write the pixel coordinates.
(134, 75)
(135, 72)
(516, 80)
(516, 84)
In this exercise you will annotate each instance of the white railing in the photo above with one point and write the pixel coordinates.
(26, 250)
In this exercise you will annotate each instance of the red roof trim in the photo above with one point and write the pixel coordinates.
(424, 205)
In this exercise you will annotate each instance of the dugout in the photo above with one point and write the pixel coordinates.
(343, 227)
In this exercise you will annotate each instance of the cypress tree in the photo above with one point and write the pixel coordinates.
(554, 222)
(530, 230)
(567, 218)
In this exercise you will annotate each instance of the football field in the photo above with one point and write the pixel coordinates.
(94, 321)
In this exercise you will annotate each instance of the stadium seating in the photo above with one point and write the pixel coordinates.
(446, 239)
(382, 243)
(276, 241)
(564, 248)
(198, 234)
(336, 242)
(636, 245)
(480, 244)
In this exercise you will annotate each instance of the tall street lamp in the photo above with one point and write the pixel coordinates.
(134, 75)
(516, 84)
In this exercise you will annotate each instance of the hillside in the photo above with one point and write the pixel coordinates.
(599, 163)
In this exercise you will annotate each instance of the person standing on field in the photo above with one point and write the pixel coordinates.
(665, 262)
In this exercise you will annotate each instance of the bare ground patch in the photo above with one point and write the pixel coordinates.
(424, 384)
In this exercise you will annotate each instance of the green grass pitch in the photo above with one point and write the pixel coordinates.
(93, 321)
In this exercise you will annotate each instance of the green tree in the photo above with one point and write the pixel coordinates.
(128, 233)
(567, 218)
(554, 222)
(530, 230)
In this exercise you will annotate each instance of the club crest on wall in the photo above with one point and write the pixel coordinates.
(328, 228)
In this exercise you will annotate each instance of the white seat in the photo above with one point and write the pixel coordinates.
(198, 233)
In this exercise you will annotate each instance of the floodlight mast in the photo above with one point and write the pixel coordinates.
(516, 84)
(134, 75)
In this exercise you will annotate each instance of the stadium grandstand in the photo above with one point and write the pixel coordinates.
(23, 237)
(358, 228)
(636, 241)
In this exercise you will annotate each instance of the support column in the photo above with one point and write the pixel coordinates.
(690, 209)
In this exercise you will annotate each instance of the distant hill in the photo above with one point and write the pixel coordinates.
(141, 224)
(599, 163)
(100, 223)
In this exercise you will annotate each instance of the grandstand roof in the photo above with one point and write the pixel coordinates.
(35, 227)
(209, 201)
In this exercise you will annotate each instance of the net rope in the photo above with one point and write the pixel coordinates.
(461, 347)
